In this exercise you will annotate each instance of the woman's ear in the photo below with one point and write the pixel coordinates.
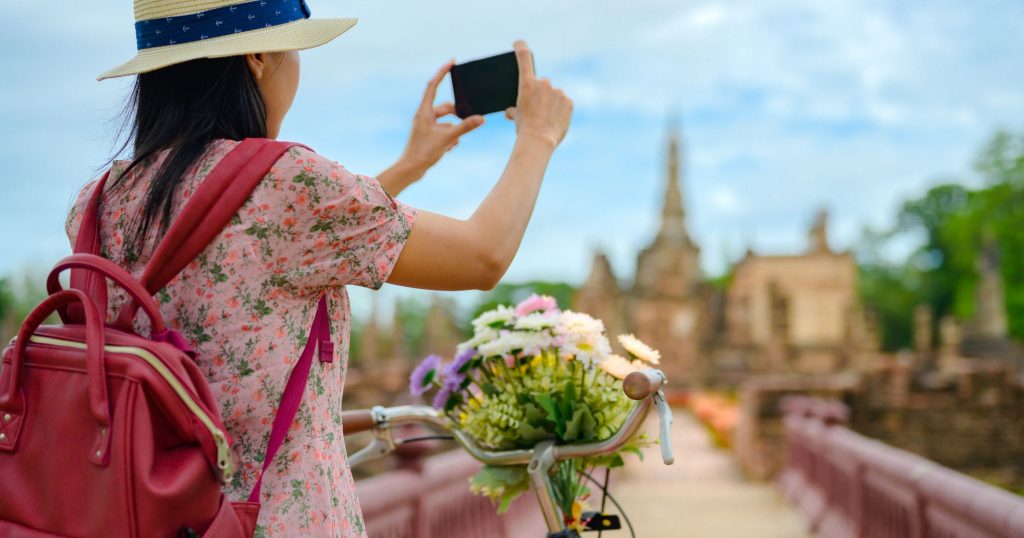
(257, 64)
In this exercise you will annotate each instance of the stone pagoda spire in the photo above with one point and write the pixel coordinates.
(673, 225)
(670, 265)
(990, 304)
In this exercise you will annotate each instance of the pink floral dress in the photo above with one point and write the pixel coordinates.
(246, 304)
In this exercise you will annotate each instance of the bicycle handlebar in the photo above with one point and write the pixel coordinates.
(360, 420)
(643, 383)
(644, 388)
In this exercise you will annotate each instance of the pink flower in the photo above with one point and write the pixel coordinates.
(536, 302)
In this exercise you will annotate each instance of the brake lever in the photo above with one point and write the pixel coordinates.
(382, 444)
(665, 418)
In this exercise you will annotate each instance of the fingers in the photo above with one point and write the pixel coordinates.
(525, 60)
(467, 125)
(444, 109)
(510, 113)
(431, 92)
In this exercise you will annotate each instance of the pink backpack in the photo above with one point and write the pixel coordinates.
(106, 433)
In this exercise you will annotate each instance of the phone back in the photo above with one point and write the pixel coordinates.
(486, 85)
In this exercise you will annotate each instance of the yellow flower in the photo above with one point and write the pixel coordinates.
(577, 517)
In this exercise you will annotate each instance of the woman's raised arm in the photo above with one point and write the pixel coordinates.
(443, 253)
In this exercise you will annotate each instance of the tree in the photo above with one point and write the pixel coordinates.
(956, 223)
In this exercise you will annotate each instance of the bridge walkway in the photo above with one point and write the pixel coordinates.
(703, 495)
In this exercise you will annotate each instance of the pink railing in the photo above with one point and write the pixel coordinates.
(433, 501)
(848, 485)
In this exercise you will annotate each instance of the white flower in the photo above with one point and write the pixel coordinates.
(537, 321)
(515, 342)
(481, 336)
(590, 350)
(618, 367)
(576, 323)
(497, 318)
(582, 338)
(639, 350)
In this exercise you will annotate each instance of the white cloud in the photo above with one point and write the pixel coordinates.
(788, 105)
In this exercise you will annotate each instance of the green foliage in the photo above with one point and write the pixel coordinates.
(549, 398)
(413, 312)
(7, 298)
(502, 483)
(956, 222)
(18, 296)
(892, 293)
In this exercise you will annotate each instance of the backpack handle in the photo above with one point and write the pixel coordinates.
(114, 272)
(12, 402)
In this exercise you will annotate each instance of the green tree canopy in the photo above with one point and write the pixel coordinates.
(956, 223)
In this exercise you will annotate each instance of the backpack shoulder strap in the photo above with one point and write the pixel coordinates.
(224, 190)
(211, 207)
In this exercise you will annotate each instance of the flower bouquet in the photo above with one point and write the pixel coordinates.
(534, 373)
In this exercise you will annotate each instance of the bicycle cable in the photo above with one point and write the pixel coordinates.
(604, 496)
(611, 497)
(426, 438)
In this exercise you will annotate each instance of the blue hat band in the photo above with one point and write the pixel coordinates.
(218, 22)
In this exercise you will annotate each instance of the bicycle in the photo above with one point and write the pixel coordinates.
(644, 387)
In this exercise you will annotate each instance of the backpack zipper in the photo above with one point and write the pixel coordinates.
(225, 463)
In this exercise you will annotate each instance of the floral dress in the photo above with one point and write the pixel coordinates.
(246, 305)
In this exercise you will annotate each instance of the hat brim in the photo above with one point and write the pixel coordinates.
(295, 35)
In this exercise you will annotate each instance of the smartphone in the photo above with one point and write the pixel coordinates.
(486, 85)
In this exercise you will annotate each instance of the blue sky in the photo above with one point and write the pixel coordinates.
(787, 106)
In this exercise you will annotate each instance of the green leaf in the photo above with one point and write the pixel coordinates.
(501, 483)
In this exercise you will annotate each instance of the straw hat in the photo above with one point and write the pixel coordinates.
(174, 31)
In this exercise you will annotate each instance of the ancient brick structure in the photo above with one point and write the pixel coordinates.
(667, 304)
(792, 313)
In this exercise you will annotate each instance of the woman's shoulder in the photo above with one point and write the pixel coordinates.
(303, 168)
(303, 159)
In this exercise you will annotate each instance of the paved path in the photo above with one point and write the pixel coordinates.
(703, 495)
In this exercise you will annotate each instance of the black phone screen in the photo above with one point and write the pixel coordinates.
(486, 85)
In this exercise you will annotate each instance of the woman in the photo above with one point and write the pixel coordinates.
(311, 227)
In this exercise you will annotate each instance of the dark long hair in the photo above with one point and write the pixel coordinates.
(182, 108)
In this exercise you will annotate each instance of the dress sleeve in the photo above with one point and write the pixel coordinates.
(326, 227)
(74, 218)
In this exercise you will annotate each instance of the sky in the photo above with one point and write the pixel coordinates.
(786, 106)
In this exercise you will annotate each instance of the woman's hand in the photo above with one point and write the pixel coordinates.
(541, 110)
(429, 139)
(450, 254)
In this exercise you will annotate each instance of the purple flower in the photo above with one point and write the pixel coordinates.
(453, 370)
(536, 302)
(424, 375)
(450, 386)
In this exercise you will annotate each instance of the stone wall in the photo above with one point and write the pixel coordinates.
(760, 435)
(971, 419)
